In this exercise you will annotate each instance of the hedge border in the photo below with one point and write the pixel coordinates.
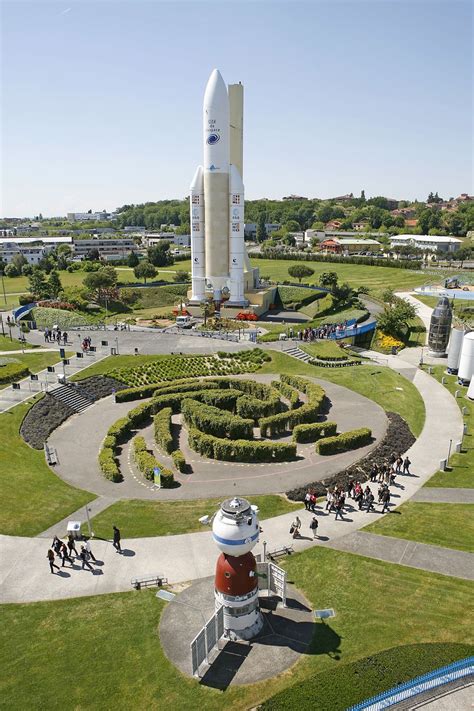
(344, 442)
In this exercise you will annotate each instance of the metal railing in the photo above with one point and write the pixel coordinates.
(418, 685)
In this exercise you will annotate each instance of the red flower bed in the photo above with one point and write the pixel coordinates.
(57, 305)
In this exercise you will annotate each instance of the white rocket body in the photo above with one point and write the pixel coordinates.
(217, 206)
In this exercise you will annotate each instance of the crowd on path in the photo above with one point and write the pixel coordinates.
(55, 335)
(64, 551)
(320, 332)
(336, 497)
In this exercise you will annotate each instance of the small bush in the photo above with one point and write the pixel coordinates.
(108, 465)
(179, 460)
(289, 392)
(314, 431)
(139, 444)
(147, 463)
(140, 415)
(110, 442)
(120, 430)
(345, 441)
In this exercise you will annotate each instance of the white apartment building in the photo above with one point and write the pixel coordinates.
(109, 248)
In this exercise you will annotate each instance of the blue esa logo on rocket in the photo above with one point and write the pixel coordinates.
(212, 139)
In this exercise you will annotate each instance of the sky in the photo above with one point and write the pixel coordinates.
(101, 101)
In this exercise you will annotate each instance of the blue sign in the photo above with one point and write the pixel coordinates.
(212, 139)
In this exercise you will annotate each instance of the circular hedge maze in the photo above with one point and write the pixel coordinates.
(226, 419)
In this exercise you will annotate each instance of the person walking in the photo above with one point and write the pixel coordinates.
(329, 500)
(71, 545)
(56, 545)
(50, 557)
(117, 538)
(307, 500)
(339, 508)
(313, 502)
(370, 502)
(406, 466)
(88, 549)
(84, 556)
(64, 555)
(314, 526)
(386, 501)
(399, 463)
(296, 525)
(65, 337)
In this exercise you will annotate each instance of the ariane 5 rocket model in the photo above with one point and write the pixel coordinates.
(236, 530)
(217, 199)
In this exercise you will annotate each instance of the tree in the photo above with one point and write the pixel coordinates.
(93, 255)
(395, 317)
(159, 255)
(261, 228)
(19, 261)
(328, 280)
(102, 283)
(292, 226)
(54, 285)
(37, 284)
(10, 270)
(342, 294)
(132, 260)
(299, 271)
(26, 270)
(145, 270)
(362, 195)
(181, 276)
(290, 240)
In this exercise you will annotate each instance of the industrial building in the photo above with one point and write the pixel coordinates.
(431, 243)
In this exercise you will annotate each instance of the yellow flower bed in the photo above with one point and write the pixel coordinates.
(389, 341)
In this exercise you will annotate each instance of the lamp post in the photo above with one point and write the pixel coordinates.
(3, 287)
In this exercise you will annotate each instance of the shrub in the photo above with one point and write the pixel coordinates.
(139, 415)
(139, 444)
(307, 413)
(147, 463)
(179, 460)
(289, 392)
(110, 442)
(239, 450)
(215, 422)
(162, 429)
(145, 391)
(25, 299)
(314, 431)
(120, 430)
(13, 371)
(108, 465)
(345, 441)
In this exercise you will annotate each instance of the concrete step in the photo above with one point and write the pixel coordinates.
(72, 397)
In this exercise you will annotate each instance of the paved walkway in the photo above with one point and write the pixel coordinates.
(27, 351)
(25, 576)
(440, 495)
(435, 559)
(422, 310)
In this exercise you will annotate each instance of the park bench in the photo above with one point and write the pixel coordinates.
(144, 580)
(50, 454)
(280, 552)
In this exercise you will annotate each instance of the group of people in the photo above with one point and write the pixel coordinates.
(64, 551)
(325, 331)
(54, 335)
(86, 343)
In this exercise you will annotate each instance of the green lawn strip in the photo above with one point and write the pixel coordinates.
(376, 382)
(33, 498)
(120, 634)
(461, 466)
(353, 683)
(138, 519)
(36, 361)
(14, 345)
(325, 349)
(446, 525)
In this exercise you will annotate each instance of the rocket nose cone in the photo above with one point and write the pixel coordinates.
(216, 90)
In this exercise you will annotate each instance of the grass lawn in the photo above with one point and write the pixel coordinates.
(461, 466)
(33, 498)
(165, 518)
(36, 361)
(377, 279)
(447, 525)
(375, 382)
(56, 641)
(13, 345)
(325, 349)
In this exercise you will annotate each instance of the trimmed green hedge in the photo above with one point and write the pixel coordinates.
(178, 460)
(345, 441)
(140, 415)
(147, 463)
(13, 371)
(344, 686)
(307, 413)
(145, 391)
(239, 450)
(215, 422)
(289, 392)
(162, 429)
(108, 465)
(313, 431)
(120, 430)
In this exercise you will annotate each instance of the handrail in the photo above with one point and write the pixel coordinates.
(418, 685)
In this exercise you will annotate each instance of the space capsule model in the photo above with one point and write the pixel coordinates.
(235, 530)
(440, 327)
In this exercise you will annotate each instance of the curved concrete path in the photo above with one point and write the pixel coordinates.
(24, 571)
(78, 465)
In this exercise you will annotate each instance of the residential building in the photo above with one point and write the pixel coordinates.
(431, 243)
(360, 226)
(333, 225)
(110, 249)
(250, 229)
(411, 223)
(32, 253)
(152, 238)
(101, 216)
